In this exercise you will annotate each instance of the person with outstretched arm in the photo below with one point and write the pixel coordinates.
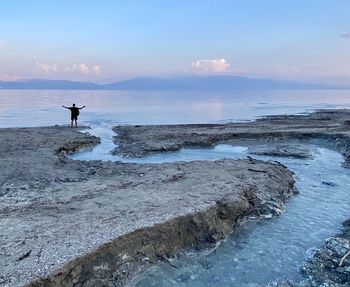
(74, 112)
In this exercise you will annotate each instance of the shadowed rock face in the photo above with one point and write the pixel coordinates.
(79, 223)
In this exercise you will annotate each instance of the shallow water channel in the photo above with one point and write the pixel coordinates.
(258, 252)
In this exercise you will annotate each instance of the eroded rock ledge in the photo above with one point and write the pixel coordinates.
(78, 223)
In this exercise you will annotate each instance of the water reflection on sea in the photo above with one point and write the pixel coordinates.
(19, 108)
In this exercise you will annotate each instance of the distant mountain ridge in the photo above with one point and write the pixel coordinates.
(48, 85)
(223, 82)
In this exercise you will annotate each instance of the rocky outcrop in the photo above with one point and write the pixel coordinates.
(93, 223)
(114, 263)
(329, 128)
(285, 135)
(330, 266)
(284, 150)
(78, 223)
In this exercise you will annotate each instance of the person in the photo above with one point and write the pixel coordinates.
(74, 112)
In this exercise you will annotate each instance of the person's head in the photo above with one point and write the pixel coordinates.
(73, 105)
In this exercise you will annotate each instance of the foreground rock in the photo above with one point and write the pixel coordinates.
(73, 223)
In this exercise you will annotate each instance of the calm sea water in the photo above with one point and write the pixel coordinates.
(20, 108)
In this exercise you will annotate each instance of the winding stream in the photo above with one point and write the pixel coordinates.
(258, 252)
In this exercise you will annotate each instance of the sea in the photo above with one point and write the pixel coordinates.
(30, 108)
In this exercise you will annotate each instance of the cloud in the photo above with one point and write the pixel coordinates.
(289, 70)
(84, 69)
(345, 35)
(46, 68)
(210, 66)
(6, 77)
(97, 69)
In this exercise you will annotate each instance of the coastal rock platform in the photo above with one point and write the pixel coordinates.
(92, 223)
(283, 135)
(66, 222)
(329, 128)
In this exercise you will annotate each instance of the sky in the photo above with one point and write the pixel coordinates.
(104, 41)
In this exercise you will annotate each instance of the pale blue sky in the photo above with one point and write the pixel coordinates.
(112, 40)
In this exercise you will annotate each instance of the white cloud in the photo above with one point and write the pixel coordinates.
(345, 35)
(6, 77)
(46, 68)
(72, 69)
(84, 69)
(210, 66)
(97, 69)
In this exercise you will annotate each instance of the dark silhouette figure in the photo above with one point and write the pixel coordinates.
(74, 113)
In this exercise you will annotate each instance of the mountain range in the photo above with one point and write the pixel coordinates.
(222, 82)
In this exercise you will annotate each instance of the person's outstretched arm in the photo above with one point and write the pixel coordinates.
(82, 107)
(65, 107)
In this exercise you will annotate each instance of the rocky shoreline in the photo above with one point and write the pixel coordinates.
(94, 223)
(329, 128)
(91, 223)
(284, 135)
(330, 265)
